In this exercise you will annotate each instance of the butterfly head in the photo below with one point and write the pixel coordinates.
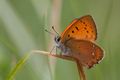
(57, 39)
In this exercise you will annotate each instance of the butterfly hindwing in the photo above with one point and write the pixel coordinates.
(87, 52)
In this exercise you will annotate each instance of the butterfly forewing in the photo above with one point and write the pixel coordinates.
(83, 28)
(87, 52)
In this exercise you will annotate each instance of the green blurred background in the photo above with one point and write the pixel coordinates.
(22, 29)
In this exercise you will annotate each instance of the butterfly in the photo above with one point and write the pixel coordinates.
(77, 40)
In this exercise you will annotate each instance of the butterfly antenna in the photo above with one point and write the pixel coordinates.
(50, 32)
(55, 30)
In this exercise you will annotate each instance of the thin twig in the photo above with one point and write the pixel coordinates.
(29, 54)
(80, 70)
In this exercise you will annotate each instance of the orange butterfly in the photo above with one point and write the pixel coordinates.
(77, 40)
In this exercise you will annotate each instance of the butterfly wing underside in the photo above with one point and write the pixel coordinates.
(87, 52)
(83, 28)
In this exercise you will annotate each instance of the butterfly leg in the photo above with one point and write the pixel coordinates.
(52, 49)
(60, 53)
(56, 50)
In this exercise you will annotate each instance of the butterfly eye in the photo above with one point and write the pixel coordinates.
(57, 39)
